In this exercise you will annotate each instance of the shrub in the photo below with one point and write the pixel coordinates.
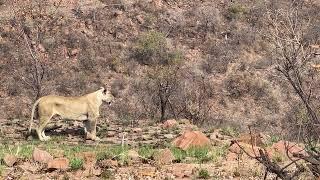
(118, 152)
(151, 49)
(178, 153)
(76, 163)
(219, 56)
(203, 174)
(230, 131)
(87, 60)
(217, 152)
(209, 17)
(146, 151)
(235, 11)
(242, 84)
(201, 153)
(237, 85)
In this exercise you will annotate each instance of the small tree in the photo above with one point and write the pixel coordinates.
(160, 80)
(289, 34)
(288, 29)
(31, 20)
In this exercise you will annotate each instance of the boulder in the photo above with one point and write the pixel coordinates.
(59, 163)
(41, 156)
(30, 166)
(182, 170)
(293, 148)
(191, 139)
(10, 159)
(164, 156)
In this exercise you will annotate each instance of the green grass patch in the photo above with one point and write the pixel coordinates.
(203, 174)
(1, 168)
(23, 151)
(107, 174)
(230, 131)
(146, 151)
(278, 157)
(179, 154)
(200, 154)
(76, 163)
(218, 152)
(118, 152)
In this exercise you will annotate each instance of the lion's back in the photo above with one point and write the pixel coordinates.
(62, 104)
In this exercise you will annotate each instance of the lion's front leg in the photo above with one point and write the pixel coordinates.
(91, 130)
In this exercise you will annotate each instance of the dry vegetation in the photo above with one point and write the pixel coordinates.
(218, 63)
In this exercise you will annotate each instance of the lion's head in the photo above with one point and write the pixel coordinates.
(106, 95)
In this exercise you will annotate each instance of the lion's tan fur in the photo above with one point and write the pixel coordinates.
(83, 108)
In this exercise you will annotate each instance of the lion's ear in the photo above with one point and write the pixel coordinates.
(104, 90)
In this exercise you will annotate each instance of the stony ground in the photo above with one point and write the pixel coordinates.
(145, 151)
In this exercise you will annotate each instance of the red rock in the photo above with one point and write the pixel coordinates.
(10, 160)
(169, 123)
(164, 156)
(41, 156)
(181, 170)
(59, 163)
(282, 146)
(28, 166)
(191, 139)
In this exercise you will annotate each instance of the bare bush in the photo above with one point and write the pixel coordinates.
(196, 94)
(287, 27)
(209, 18)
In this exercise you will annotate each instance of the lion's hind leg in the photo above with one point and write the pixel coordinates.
(44, 120)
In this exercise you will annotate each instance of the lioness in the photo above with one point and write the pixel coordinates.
(83, 108)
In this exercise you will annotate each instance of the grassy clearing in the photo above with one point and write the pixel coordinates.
(117, 152)
(146, 151)
(23, 151)
(200, 155)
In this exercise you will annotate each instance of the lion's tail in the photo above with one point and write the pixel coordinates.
(32, 113)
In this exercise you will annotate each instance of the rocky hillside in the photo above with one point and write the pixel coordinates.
(220, 72)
